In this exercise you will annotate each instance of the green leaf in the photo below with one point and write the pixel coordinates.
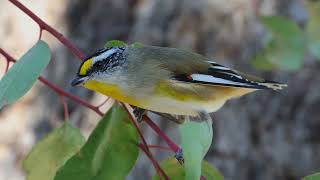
(24, 73)
(110, 152)
(176, 171)
(137, 45)
(48, 155)
(285, 45)
(196, 138)
(261, 62)
(313, 28)
(115, 43)
(315, 176)
(210, 172)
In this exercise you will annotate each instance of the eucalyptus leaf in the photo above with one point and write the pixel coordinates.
(313, 28)
(261, 62)
(177, 172)
(137, 45)
(48, 155)
(285, 45)
(24, 73)
(110, 152)
(196, 138)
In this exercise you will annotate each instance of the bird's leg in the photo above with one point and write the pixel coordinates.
(202, 116)
(179, 156)
(174, 118)
(138, 113)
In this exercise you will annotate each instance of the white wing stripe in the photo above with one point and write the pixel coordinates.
(212, 62)
(232, 74)
(211, 79)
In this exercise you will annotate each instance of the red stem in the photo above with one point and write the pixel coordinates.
(154, 162)
(40, 33)
(71, 96)
(65, 108)
(45, 26)
(7, 66)
(174, 147)
(144, 144)
(159, 147)
(104, 102)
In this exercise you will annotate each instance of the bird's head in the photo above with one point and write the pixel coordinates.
(102, 66)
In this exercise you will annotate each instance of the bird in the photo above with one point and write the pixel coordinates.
(165, 80)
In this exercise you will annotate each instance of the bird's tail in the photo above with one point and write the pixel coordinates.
(272, 85)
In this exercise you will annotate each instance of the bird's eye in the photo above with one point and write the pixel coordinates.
(98, 64)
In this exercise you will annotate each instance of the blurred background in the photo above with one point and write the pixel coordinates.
(264, 135)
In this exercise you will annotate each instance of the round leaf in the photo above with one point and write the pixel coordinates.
(176, 171)
(48, 155)
(285, 47)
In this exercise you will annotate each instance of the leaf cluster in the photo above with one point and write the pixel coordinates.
(286, 44)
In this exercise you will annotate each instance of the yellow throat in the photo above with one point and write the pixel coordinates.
(111, 90)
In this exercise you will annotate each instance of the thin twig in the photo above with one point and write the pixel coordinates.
(40, 33)
(71, 96)
(48, 28)
(65, 108)
(154, 162)
(174, 147)
(104, 102)
(7, 66)
(145, 145)
(159, 147)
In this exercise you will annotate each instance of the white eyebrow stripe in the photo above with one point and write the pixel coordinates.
(104, 55)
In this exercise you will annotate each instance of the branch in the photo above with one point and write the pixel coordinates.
(65, 108)
(71, 96)
(154, 162)
(159, 147)
(174, 147)
(45, 26)
(144, 145)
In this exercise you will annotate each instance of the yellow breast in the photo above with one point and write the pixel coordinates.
(111, 91)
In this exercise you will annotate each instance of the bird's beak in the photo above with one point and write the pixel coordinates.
(78, 80)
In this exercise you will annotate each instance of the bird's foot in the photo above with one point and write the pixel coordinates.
(179, 156)
(138, 113)
(202, 116)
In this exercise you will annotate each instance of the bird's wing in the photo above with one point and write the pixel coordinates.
(223, 76)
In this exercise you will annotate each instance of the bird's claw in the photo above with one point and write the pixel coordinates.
(138, 113)
(179, 156)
